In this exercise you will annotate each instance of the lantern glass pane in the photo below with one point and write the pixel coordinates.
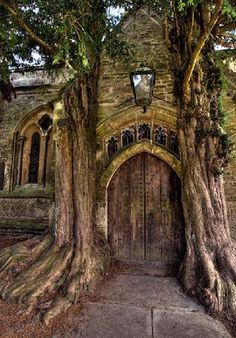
(143, 86)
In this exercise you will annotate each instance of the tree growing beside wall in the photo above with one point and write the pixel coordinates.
(208, 270)
(69, 259)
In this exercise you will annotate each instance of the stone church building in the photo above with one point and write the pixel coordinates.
(138, 200)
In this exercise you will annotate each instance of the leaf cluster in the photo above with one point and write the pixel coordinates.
(75, 32)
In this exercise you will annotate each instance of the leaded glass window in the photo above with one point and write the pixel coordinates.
(112, 147)
(161, 136)
(144, 132)
(174, 144)
(127, 137)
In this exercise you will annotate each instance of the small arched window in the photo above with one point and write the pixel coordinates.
(127, 137)
(174, 144)
(144, 132)
(112, 147)
(34, 158)
(161, 136)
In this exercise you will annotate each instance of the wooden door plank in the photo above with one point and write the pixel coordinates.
(153, 212)
(126, 210)
(164, 221)
(137, 206)
(123, 211)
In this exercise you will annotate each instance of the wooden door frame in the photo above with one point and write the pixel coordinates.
(121, 158)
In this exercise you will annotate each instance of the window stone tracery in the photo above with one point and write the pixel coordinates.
(157, 134)
(174, 144)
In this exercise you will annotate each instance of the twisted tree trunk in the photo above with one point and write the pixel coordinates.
(208, 270)
(47, 275)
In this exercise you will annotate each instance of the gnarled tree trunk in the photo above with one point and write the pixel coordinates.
(72, 256)
(208, 270)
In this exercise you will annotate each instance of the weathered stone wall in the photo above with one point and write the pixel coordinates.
(117, 109)
(34, 91)
(24, 213)
(144, 31)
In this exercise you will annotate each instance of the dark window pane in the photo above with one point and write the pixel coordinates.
(144, 132)
(174, 144)
(45, 122)
(34, 158)
(2, 171)
(161, 136)
(127, 137)
(112, 147)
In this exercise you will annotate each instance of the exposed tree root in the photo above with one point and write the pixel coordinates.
(48, 279)
(17, 257)
(211, 277)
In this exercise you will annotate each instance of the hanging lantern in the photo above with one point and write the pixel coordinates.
(142, 82)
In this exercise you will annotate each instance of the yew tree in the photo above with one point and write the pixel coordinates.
(48, 274)
(192, 31)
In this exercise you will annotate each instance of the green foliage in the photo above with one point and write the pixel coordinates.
(117, 48)
(184, 4)
(77, 31)
(229, 9)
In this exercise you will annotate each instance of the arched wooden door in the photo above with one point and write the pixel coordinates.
(145, 219)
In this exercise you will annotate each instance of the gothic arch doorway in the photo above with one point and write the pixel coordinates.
(145, 220)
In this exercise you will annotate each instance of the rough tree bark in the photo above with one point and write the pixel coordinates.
(70, 258)
(208, 270)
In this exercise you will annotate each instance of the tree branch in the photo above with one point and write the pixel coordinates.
(165, 30)
(21, 22)
(200, 45)
(190, 35)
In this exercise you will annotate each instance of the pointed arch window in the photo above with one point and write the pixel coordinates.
(127, 137)
(144, 132)
(174, 144)
(33, 152)
(161, 136)
(112, 147)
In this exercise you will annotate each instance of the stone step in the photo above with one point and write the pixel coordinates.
(146, 268)
(17, 225)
